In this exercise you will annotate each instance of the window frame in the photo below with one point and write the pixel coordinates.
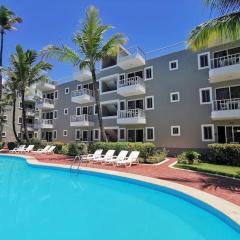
(119, 135)
(173, 93)
(179, 131)
(55, 111)
(146, 107)
(55, 92)
(96, 130)
(77, 130)
(145, 73)
(68, 91)
(4, 134)
(64, 111)
(201, 97)
(150, 139)
(170, 63)
(199, 62)
(19, 117)
(65, 135)
(202, 132)
(54, 131)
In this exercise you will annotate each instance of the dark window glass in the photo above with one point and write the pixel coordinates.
(149, 133)
(222, 93)
(148, 73)
(149, 102)
(208, 133)
(205, 96)
(175, 131)
(122, 134)
(122, 105)
(204, 61)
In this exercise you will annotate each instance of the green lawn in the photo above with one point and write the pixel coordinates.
(212, 168)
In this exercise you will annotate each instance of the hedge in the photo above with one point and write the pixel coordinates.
(74, 149)
(225, 154)
(146, 149)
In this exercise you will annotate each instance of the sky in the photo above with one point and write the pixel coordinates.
(149, 24)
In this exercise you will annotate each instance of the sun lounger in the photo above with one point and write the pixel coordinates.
(120, 157)
(89, 157)
(51, 150)
(28, 149)
(109, 155)
(131, 159)
(16, 149)
(42, 150)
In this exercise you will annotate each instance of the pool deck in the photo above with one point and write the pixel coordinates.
(223, 193)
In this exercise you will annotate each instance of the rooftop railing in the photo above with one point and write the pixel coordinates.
(226, 104)
(131, 51)
(82, 92)
(131, 113)
(131, 82)
(225, 61)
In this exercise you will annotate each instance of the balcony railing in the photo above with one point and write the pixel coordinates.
(225, 61)
(81, 92)
(48, 81)
(81, 118)
(131, 113)
(131, 82)
(131, 51)
(47, 121)
(226, 104)
(30, 111)
(45, 100)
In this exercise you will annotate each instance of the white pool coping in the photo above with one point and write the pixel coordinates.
(229, 209)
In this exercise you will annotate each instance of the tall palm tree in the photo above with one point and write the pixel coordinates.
(220, 30)
(28, 70)
(7, 21)
(91, 49)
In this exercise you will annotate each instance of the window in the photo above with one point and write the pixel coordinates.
(55, 114)
(174, 97)
(85, 135)
(56, 95)
(35, 135)
(66, 90)
(77, 134)
(122, 105)
(19, 120)
(65, 111)
(207, 132)
(205, 95)
(203, 60)
(19, 134)
(65, 133)
(135, 135)
(148, 72)
(175, 131)
(4, 134)
(96, 134)
(173, 65)
(150, 136)
(79, 87)
(149, 102)
(54, 134)
(122, 134)
(5, 118)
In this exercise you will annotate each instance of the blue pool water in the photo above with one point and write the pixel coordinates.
(42, 203)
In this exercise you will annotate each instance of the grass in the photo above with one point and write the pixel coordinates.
(224, 170)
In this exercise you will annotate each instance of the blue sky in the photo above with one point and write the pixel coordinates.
(149, 24)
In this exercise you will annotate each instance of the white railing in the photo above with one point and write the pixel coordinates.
(45, 100)
(226, 104)
(82, 92)
(225, 61)
(133, 81)
(30, 111)
(130, 51)
(81, 118)
(47, 121)
(131, 113)
(48, 81)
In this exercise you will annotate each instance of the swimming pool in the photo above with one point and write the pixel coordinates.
(42, 203)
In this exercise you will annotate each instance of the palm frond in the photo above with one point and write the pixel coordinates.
(217, 31)
(224, 6)
(62, 54)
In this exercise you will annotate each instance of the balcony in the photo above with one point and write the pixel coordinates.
(226, 109)
(131, 116)
(30, 127)
(45, 104)
(30, 112)
(45, 123)
(130, 58)
(83, 96)
(131, 86)
(83, 120)
(225, 68)
(47, 85)
(82, 75)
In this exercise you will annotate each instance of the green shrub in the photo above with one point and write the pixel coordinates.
(74, 149)
(157, 157)
(224, 154)
(146, 149)
(11, 145)
(188, 157)
(59, 146)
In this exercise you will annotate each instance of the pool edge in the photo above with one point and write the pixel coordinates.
(229, 209)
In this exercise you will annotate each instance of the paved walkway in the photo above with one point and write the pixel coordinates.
(226, 188)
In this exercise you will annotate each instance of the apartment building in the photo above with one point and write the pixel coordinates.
(179, 100)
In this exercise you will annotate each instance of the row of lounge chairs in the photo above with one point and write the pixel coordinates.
(109, 158)
(23, 149)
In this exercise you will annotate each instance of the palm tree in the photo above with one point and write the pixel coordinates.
(28, 70)
(220, 30)
(7, 21)
(91, 49)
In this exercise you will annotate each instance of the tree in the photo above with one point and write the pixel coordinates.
(27, 71)
(91, 49)
(7, 21)
(224, 28)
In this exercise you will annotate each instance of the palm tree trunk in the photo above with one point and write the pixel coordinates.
(1, 90)
(14, 121)
(97, 101)
(24, 118)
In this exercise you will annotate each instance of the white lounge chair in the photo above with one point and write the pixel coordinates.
(120, 157)
(28, 149)
(89, 157)
(131, 159)
(16, 149)
(42, 150)
(50, 150)
(109, 155)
